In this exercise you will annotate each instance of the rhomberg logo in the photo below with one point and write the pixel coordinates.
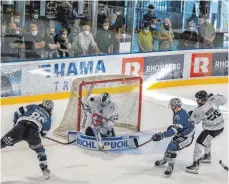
(201, 65)
(133, 66)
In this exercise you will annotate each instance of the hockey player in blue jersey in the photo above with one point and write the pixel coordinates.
(29, 123)
(182, 130)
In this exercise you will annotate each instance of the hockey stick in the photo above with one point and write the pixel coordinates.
(63, 143)
(222, 164)
(138, 146)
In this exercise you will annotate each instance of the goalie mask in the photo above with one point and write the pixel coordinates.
(201, 97)
(175, 103)
(48, 105)
(105, 99)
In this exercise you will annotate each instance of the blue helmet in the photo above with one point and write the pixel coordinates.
(175, 102)
(48, 105)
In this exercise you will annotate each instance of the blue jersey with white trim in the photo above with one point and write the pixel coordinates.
(182, 125)
(35, 114)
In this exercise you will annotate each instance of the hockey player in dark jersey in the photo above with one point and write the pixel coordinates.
(29, 123)
(182, 130)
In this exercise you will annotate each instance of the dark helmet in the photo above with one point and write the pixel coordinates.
(201, 97)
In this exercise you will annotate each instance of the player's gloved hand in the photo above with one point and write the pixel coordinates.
(158, 136)
(190, 113)
(211, 94)
(114, 117)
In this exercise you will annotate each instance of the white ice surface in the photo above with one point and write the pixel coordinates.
(73, 165)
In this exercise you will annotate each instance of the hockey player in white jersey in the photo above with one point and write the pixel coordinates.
(212, 120)
(100, 116)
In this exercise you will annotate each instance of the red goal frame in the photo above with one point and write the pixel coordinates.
(83, 83)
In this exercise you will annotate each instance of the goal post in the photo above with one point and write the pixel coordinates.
(125, 91)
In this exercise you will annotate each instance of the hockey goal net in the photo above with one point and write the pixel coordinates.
(125, 91)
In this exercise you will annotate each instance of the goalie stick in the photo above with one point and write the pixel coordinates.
(222, 164)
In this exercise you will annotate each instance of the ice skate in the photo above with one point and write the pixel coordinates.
(160, 163)
(45, 171)
(206, 158)
(169, 170)
(193, 168)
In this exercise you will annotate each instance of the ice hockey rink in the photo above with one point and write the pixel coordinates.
(73, 165)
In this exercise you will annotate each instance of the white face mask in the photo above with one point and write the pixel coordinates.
(86, 32)
(206, 20)
(200, 21)
(64, 36)
(153, 26)
(17, 20)
(106, 27)
(34, 33)
(17, 32)
(102, 12)
(35, 17)
(191, 28)
(146, 30)
(118, 13)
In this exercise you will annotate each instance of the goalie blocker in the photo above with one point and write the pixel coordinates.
(113, 143)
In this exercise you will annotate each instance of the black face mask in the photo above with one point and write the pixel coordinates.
(166, 27)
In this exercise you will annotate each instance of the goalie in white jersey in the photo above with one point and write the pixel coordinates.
(100, 116)
(212, 120)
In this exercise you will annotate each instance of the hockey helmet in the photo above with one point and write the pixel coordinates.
(48, 105)
(105, 99)
(175, 103)
(201, 97)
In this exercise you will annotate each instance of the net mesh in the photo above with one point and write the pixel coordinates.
(125, 92)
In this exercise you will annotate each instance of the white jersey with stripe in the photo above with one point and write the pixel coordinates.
(209, 113)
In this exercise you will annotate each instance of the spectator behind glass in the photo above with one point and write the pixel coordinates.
(145, 39)
(206, 33)
(86, 42)
(34, 19)
(112, 18)
(17, 20)
(165, 35)
(62, 40)
(120, 20)
(12, 40)
(105, 38)
(33, 43)
(188, 39)
(51, 48)
(101, 17)
(149, 16)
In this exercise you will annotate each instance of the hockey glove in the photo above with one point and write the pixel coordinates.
(158, 136)
(114, 117)
(211, 94)
(190, 113)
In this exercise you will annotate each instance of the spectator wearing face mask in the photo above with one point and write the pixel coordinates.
(149, 16)
(51, 48)
(145, 39)
(85, 43)
(12, 40)
(101, 17)
(105, 38)
(188, 39)
(112, 18)
(34, 19)
(62, 40)
(206, 32)
(120, 20)
(17, 20)
(33, 43)
(165, 35)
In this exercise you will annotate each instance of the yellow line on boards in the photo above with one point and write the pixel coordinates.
(64, 95)
(114, 90)
(188, 82)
